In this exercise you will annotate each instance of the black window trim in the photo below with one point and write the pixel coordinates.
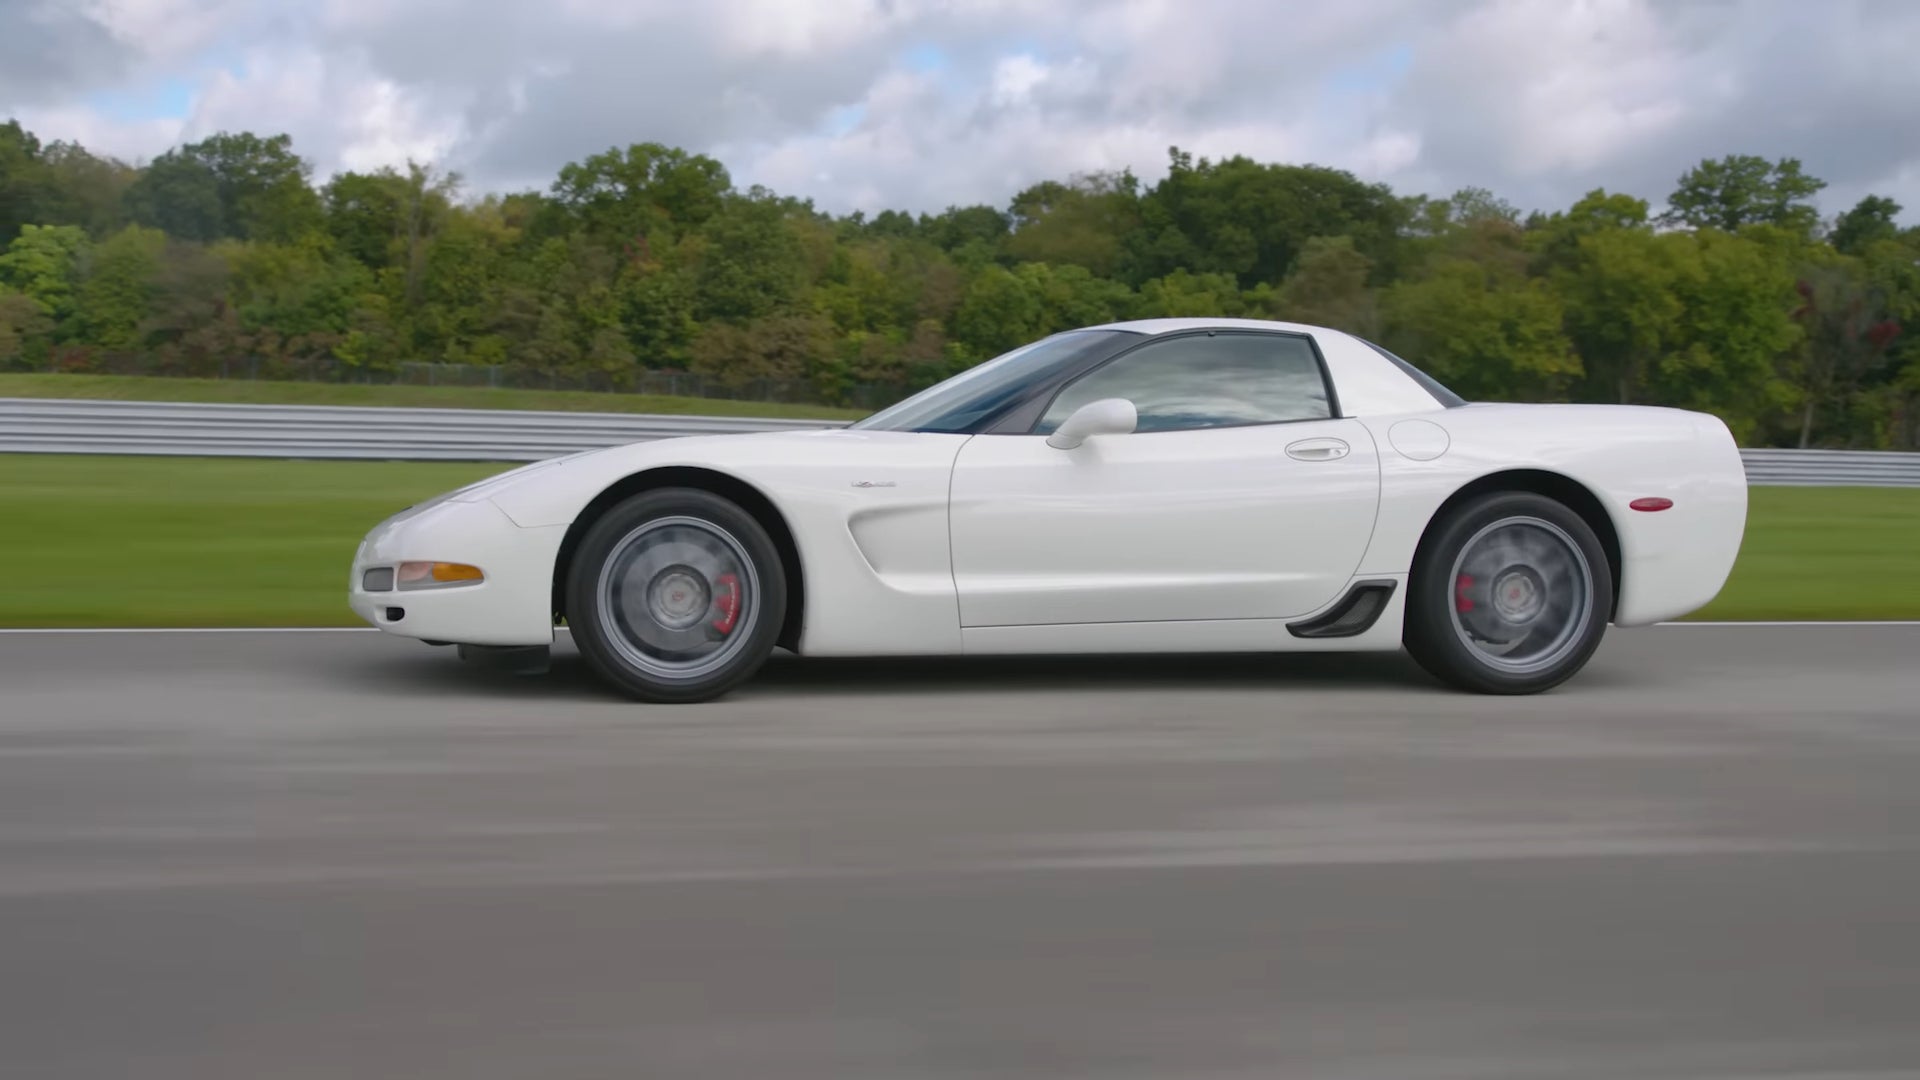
(1025, 417)
(991, 421)
(1020, 417)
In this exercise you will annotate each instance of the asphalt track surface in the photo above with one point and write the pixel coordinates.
(293, 856)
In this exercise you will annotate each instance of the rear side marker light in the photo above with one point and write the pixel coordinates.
(1651, 504)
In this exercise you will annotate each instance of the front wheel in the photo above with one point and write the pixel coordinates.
(676, 595)
(1511, 594)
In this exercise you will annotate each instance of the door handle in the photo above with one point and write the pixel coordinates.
(1317, 450)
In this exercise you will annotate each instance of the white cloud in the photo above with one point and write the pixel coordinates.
(1557, 89)
(167, 30)
(956, 101)
(1543, 101)
(351, 117)
(131, 140)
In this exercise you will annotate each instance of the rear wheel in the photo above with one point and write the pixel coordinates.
(1510, 594)
(676, 595)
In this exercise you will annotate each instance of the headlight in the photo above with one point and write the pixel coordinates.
(414, 576)
(431, 575)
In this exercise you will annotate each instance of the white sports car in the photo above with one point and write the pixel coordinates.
(1173, 485)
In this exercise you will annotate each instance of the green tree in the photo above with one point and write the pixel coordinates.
(1182, 294)
(1870, 221)
(966, 229)
(1742, 189)
(1617, 290)
(1240, 217)
(189, 321)
(1468, 206)
(1555, 238)
(43, 264)
(118, 287)
(1490, 335)
(84, 189)
(657, 310)
(1893, 266)
(387, 218)
(23, 180)
(1735, 295)
(1000, 311)
(1088, 222)
(25, 329)
(623, 196)
(298, 292)
(1847, 330)
(1329, 288)
(444, 303)
(776, 347)
(1071, 296)
(229, 185)
(372, 341)
(749, 260)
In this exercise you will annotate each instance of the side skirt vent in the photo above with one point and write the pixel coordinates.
(1355, 614)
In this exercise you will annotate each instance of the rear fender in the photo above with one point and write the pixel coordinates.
(1672, 561)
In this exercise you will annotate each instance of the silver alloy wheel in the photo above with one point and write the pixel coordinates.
(678, 598)
(1522, 594)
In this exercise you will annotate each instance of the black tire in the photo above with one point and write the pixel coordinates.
(619, 624)
(1550, 638)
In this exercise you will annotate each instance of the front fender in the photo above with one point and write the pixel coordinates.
(867, 510)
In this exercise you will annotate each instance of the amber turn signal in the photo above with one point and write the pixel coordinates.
(416, 574)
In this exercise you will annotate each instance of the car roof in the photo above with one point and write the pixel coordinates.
(1167, 326)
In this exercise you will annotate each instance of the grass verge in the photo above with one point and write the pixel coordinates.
(103, 541)
(148, 541)
(1826, 553)
(249, 392)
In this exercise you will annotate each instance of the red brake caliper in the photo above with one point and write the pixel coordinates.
(728, 602)
(1460, 601)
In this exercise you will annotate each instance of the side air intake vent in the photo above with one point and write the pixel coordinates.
(1353, 615)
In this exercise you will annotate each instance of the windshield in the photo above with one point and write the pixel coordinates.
(981, 393)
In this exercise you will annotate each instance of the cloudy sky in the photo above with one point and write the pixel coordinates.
(918, 104)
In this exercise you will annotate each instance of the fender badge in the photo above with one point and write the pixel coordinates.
(874, 483)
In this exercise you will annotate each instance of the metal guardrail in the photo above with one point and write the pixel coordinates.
(1831, 468)
(330, 431)
(30, 425)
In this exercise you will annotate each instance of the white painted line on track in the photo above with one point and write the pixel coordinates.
(1731, 624)
(1808, 623)
(191, 630)
(205, 630)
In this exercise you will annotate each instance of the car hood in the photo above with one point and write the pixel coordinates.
(555, 491)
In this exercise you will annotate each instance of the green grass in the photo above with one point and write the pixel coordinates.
(1826, 553)
(102, 541)
(249, 392)
(99, 541)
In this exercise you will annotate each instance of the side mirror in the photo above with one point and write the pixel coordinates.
(1108, 416)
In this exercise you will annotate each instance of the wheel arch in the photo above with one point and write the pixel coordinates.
(747, 496)
(1556, 486)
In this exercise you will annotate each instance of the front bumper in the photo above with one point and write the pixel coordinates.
(512, 606)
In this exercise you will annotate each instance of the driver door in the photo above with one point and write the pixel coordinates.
(1239, 495)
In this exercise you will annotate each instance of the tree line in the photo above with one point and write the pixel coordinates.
(1737, 297)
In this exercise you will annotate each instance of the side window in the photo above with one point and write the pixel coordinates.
(1202, 381)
